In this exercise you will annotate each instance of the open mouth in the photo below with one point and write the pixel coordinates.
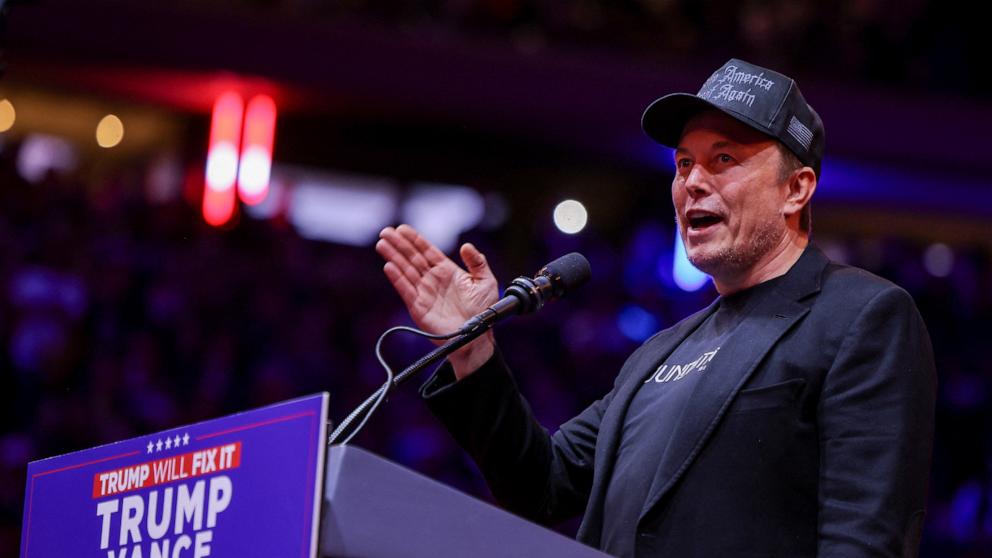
(701, 221)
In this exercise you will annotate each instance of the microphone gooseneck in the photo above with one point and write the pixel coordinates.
(523, 296)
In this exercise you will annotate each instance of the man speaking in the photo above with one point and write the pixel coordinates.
(791, 417)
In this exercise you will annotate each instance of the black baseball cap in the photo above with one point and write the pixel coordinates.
(763, 99)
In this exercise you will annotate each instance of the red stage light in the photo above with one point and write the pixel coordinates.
(256, 150)
(222, 159)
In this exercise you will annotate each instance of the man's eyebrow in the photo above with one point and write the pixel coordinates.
(716, 145)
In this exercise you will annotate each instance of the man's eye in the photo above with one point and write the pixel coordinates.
(683, 163)
(724, 158)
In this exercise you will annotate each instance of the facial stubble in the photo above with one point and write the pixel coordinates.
(737, 258)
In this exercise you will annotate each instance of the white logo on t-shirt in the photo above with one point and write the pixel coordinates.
(676, 372)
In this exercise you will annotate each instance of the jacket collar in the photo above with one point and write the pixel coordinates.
(805, 277)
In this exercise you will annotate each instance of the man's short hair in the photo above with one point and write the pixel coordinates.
(790, 164)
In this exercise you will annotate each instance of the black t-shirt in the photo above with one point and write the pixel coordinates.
(657, 407)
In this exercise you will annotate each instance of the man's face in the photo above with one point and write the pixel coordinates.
(728, 195)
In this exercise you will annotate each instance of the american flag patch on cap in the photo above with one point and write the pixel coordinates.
(799, 131)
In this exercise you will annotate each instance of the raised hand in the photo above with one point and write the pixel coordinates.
(440, 295)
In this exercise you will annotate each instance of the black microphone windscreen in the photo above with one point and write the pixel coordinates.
(572, 270)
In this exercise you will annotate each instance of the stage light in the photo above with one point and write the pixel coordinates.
(222, 166)
(939, 260)
(570, 216)
(686, 276)
(41, 154)
(222, 159)
(341, 208)
(7, 115)
(441, 212)
(110, 131)
(255, 168)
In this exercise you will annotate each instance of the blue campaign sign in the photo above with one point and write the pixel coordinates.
(243, 485)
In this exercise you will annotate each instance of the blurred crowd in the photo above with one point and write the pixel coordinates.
(122, 315)
(919, 44)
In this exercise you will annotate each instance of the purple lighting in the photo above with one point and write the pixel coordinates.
(858, 182)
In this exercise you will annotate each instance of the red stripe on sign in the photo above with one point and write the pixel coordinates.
(170, 469)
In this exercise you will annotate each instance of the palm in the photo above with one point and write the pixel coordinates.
(447, 296)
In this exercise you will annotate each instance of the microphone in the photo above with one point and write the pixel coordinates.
(525, 295)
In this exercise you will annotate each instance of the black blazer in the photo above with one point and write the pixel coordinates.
(809, 434)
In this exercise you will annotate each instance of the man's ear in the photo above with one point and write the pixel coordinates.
(801, 186)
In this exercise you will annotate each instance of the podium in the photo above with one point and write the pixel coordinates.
(375, 508)
(260, 483)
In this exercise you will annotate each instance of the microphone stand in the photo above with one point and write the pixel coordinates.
(522, 296)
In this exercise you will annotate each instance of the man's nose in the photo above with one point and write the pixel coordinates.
(697, 182)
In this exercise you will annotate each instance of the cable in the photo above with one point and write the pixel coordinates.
(371, 404)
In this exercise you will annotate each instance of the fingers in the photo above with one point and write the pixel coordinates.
(401, 240)
(399, 262)
(475, 261)
(402, 284)
(428, 250)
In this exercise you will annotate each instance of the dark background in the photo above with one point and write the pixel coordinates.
(123, 313)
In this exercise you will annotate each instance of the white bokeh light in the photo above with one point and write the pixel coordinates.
(222, 166)
(41, 154)
(570, 216)
(939, 260)
(441, 212)
(338, 207)
(255, 170)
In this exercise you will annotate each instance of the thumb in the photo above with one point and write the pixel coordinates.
(475, 261)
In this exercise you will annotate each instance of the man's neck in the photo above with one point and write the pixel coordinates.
(775, 263)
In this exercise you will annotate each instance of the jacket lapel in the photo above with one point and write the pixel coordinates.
(732, 367)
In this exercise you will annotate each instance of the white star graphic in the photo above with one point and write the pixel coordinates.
(175, 441)
(186, 439)
(158, 445)
(168, 443)
(150, 447)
